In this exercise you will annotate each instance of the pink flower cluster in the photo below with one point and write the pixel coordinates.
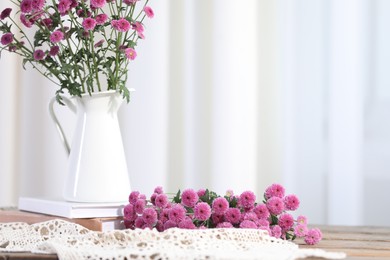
(201, 209)
(35, 12)
(77, 44)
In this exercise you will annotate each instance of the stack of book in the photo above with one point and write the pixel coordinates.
(94, 216)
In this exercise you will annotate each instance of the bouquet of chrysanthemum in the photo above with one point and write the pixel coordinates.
(192, 209)
(82, 46)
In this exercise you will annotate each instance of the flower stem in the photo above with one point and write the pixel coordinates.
(94, 63)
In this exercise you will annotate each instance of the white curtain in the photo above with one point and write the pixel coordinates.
(234, 95)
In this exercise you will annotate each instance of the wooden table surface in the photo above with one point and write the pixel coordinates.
(359, 243)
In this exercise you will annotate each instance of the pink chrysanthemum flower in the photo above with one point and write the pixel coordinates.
(164, 215)
(201, 192)
(275, 205)
(149, 12)
(313, 236)
(248, 224)
(300, 230)
(98, 3)
(286, 221)
(137, 26)
(141, 35)
(170, 224)
(302, 220)
(36, 16)
(89, 24)
(39, 55)
(220, 205)
(159, 226)
(83, 13)
(101, 19)
(161, 200)
(64, 6)
(186, 224)
(54, 50)
(216, 218)
(233, 215)
(139, 222)
(130, 53)
(130, 2)
(74, 4)
(38, 5)
(276, 231)
(291, 202)
(250, 216)
(121, 25)
(261, 211)
(12, 48)
(202, 211)
(153, 198)
(56, 36)
(114, 24)
(5, 13)
(140, 206)
(129, 212)
(47, 22)
(275, 190)
(128, 224)
(159, 190)
(26, 6)
(247, 199)
(133, 197)
(26, 22)
(7, 38)
(262, 223)
(177, 213)
(189, 198)
(225, 225)
(149, 216)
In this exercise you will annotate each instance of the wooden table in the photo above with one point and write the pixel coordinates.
(360, 243)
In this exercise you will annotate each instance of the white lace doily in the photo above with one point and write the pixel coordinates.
(72, 241)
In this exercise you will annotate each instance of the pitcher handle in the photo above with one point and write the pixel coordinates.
(53, 116)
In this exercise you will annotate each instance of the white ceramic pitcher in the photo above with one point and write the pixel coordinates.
(97, 169)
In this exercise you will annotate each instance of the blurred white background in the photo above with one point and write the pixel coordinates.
(234, 95)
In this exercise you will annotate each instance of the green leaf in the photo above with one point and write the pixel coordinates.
(274, 220)
(39, 38)
(177, 198)
(265, 198)
(189, 210)
(5, 28)
(25, 60)
(205, 197)
(59, 97)
(74, 88)
(233, 202)
(125, 92)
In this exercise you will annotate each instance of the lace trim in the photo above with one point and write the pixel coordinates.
(72, 241)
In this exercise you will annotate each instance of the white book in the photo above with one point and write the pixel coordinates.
(68, 209)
